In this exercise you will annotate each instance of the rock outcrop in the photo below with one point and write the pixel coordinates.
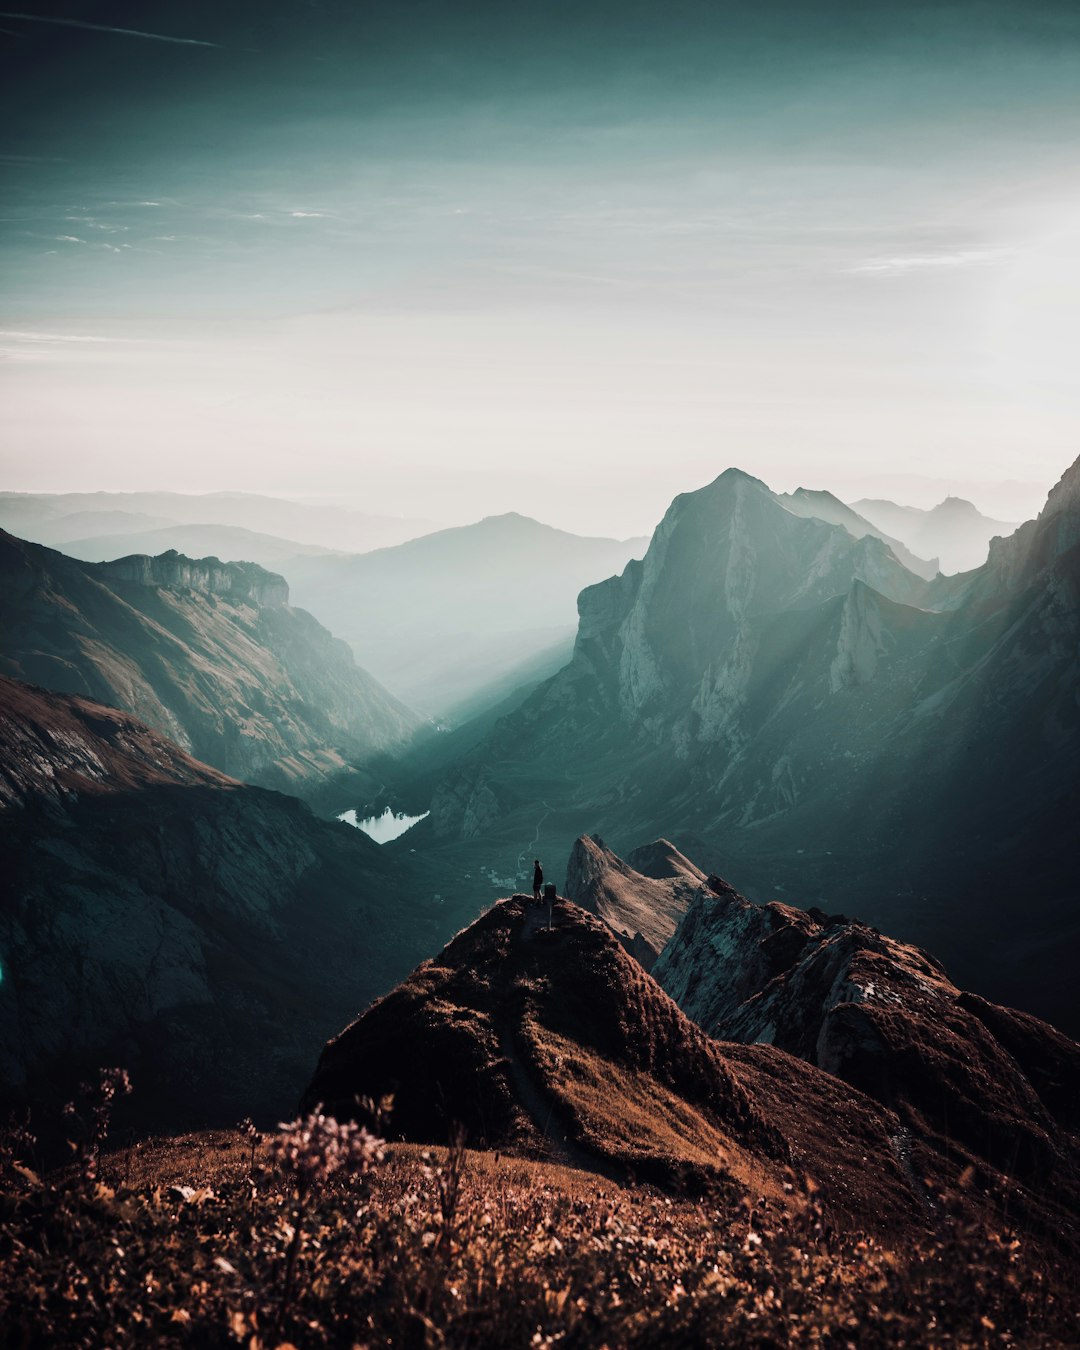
(210, 654)
(994, 1085)
(642, 900)
(557, 1044)
(158, 915)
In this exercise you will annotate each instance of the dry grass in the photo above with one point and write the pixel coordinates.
(183, 1242)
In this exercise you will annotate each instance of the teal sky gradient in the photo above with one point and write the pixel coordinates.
(445, 259)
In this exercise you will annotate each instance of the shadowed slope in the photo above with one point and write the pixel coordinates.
(155, 914)
(968, 1078)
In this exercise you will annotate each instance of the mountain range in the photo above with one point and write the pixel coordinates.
(58, 518)
(954, 532)
(211, 654)
(196, 541)
(443, 618)
(764, 688)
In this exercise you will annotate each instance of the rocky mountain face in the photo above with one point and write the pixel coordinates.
(555, 1043)
(440, 618)
(641, 900)
(797, 702)
(996, 1086)
(955, 531)
(211, 654)
(158, 915)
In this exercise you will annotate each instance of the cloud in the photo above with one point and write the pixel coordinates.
(308, 215)
(107, 28)
(917, 261)
(17, 335)
(68, 239)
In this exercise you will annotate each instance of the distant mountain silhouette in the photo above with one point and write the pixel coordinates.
(209, 653)
(56, 518)
(954, 531)
(228, 542)
(156, 914)
(828, 722)
(440, 618)
(824, 506)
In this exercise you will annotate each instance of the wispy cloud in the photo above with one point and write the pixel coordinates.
(107, 28)
(19, 335)
(917, 261)
(308, 215)
(68, 239)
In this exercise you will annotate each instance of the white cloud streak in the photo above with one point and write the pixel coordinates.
(106, 28)
(918, 261)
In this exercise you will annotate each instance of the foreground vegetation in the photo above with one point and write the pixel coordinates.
(322, 1236)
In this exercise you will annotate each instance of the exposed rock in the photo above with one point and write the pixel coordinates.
(210, 654)
(641, 907)
(830, 723)
(556, 1044)
(968, 1076)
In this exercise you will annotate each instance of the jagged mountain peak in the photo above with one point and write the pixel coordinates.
(994, 1082)
(641, 907)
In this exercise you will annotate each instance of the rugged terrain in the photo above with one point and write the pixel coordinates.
(156, 914)
(211, 654)
(641, 900)
(555, 1043)
(766, 689)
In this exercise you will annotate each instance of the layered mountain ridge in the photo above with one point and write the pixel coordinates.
(209, 653)
(831, 723)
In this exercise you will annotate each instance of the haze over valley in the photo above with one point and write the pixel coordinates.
(539, 675)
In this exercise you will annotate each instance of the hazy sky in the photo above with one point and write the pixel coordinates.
(567, 257)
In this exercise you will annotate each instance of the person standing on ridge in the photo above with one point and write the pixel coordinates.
(538, 880)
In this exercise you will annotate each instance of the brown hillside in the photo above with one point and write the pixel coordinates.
(557, 1044)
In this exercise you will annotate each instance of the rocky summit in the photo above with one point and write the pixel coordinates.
(828, 722)
(210, 654)
(159, 915)
(641, 900)
(966, 1078)
(553, 1042)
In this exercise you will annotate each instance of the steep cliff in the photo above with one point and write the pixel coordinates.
(830, 723)
(642, 908)
(209, 653)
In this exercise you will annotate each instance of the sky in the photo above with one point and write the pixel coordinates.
(567, 258)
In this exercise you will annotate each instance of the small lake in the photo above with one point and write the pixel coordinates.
(385, 827)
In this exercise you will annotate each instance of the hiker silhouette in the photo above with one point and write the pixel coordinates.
(538, 879)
